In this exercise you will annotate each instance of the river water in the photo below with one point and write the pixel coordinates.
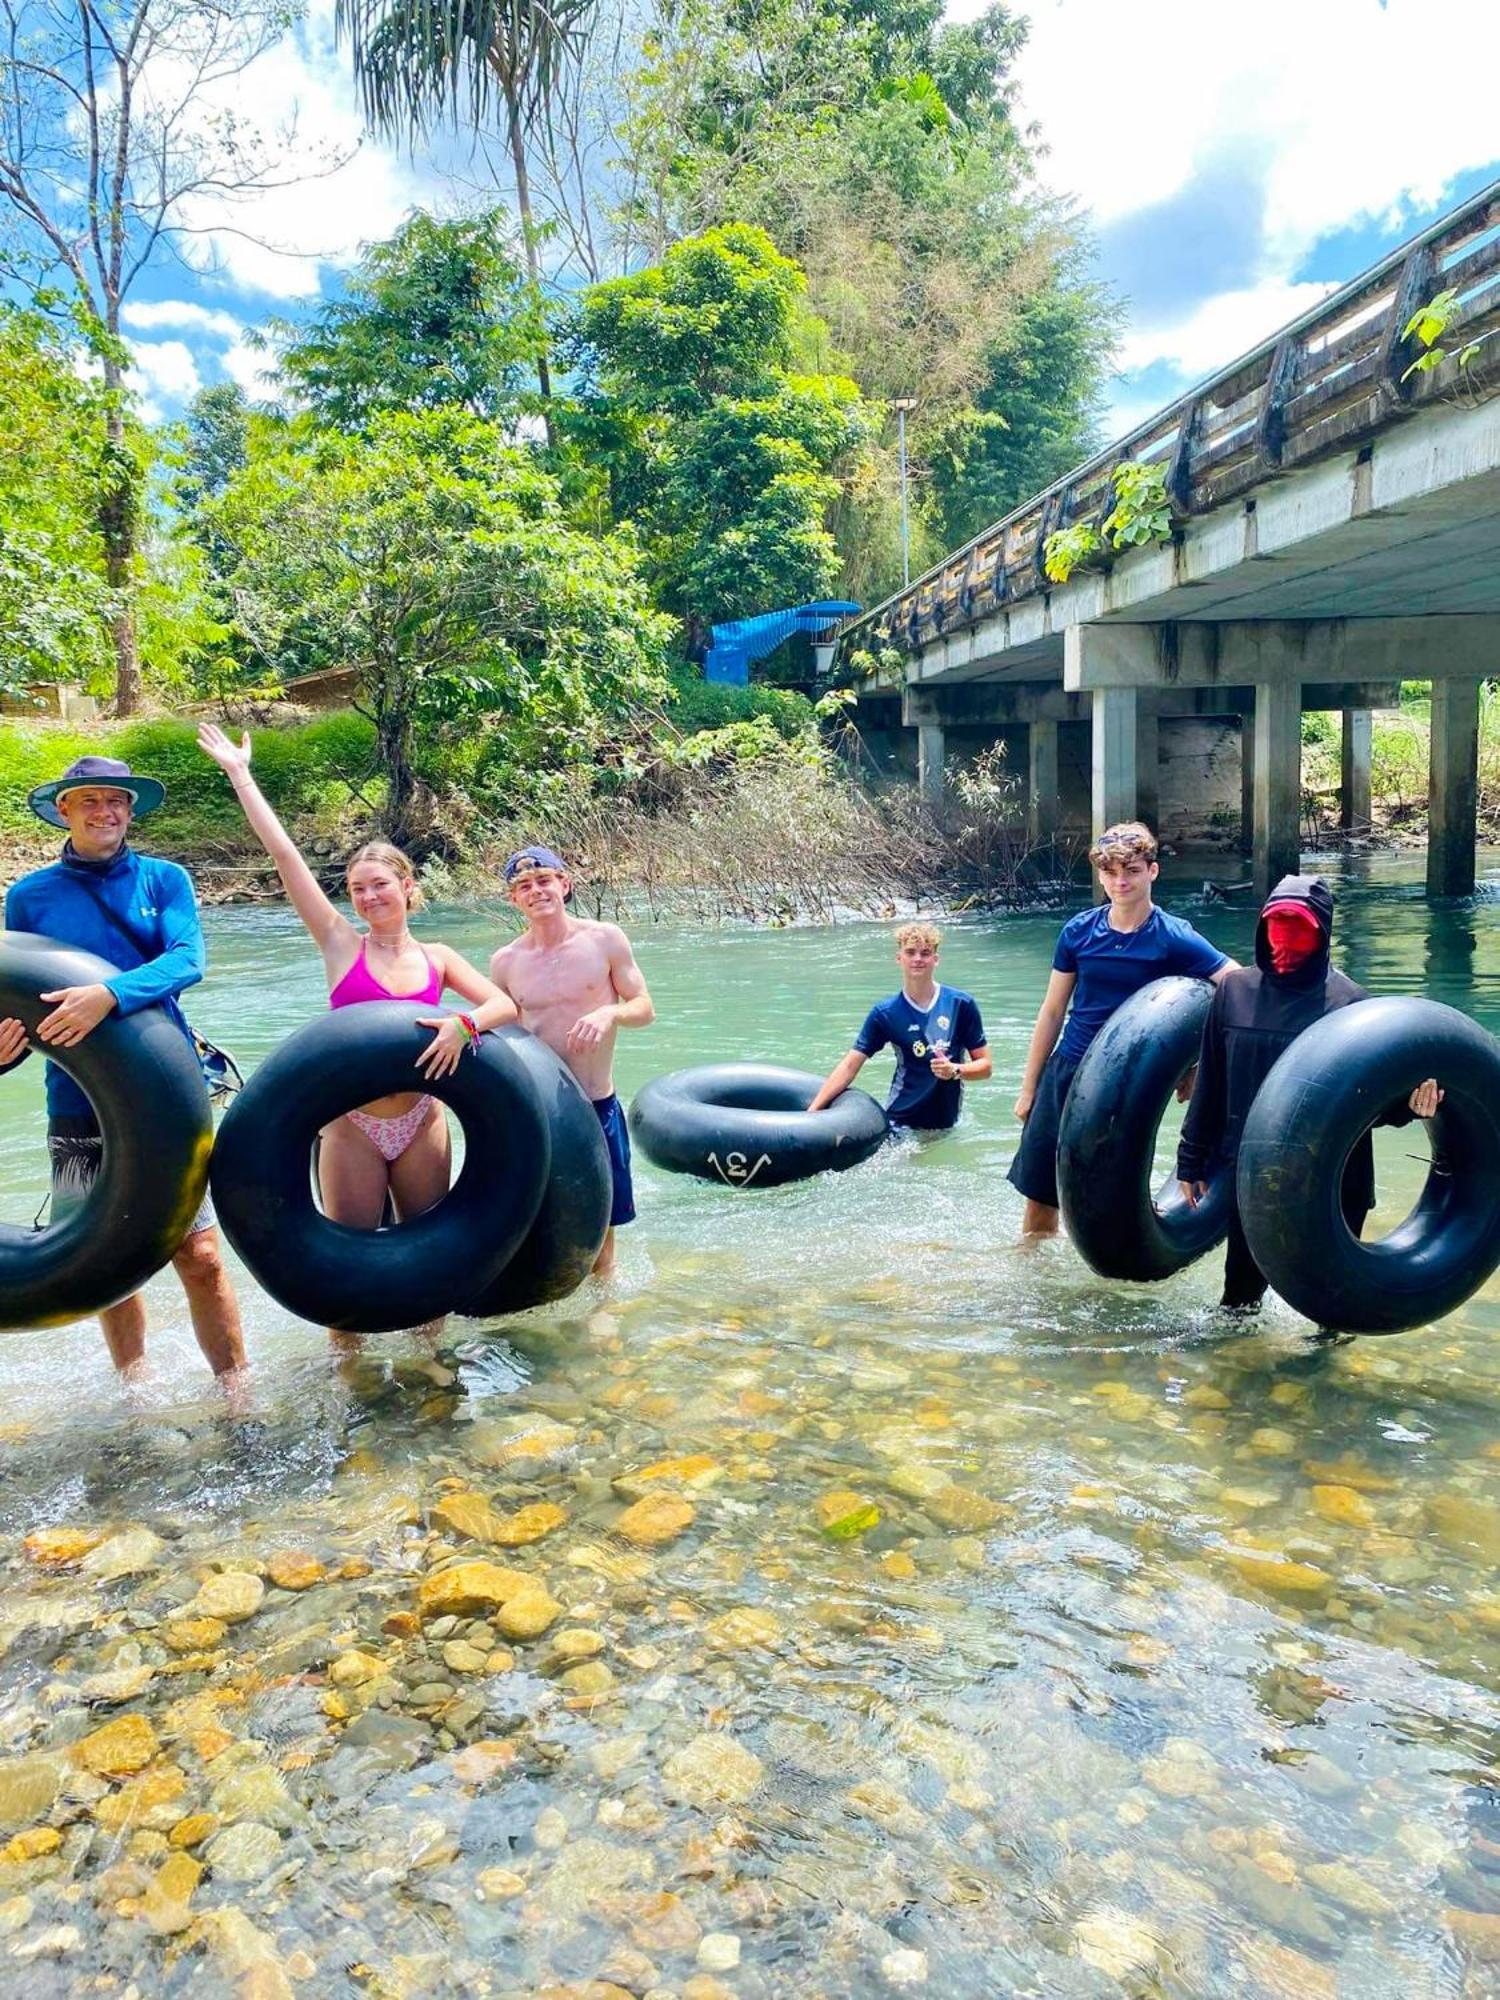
(869, 1607)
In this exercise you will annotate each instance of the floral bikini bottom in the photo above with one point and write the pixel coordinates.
(392, 1136)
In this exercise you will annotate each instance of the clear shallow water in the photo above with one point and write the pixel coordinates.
(1049, 1723)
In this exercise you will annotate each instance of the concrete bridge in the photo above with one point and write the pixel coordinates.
(1335, 531)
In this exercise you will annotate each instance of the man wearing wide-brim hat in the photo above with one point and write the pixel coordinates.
(141, 914)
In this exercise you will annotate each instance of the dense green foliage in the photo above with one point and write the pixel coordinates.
(724, 457)
(54, 468)
(433, 558)
(300, 770)
(440, 317)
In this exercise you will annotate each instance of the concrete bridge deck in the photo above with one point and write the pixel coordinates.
(1335, 531)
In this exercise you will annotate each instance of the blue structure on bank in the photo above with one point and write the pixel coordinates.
(742, 641)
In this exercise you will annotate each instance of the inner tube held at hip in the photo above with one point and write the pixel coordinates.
(1328, 1088)
(747, 1125)
(1107, 1140)
(139, 1073)
(558, 1251)
(373, 1281)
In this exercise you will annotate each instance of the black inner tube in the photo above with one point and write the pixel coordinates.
(1107, 1139)
(1324, 1093)
(746, 1125)
(372, 1281)
(558, 1251)
(142, 1079)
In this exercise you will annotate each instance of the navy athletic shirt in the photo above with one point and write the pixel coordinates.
(1111, 965)
(917, 1096)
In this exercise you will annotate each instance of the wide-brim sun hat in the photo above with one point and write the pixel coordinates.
(146, 794)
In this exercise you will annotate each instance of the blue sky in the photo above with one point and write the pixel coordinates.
(1237, 161)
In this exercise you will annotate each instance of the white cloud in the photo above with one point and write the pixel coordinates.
(248, 366)
(1220, 329)
(299, 98)
(150, 315)
(165, 367)
(1346, 112)
(1358, 108)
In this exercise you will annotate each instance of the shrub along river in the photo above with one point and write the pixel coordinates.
(862, 1605)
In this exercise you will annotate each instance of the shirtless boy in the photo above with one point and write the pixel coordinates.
(576, 983)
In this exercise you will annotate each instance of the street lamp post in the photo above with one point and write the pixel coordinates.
(901, 404)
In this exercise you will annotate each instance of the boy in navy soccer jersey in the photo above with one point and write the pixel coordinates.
(937, 1035)
(1103, 956)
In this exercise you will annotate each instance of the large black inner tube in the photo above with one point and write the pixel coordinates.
(746, 1125)
(143, 1080)
(1107, 1140)
(1328, 1088)
(558, 1251)
(372, 1281)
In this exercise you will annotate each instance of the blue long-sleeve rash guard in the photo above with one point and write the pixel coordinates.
(153, 899)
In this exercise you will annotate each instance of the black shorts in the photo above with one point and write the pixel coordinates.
(1034, 1169)
(617, 1139)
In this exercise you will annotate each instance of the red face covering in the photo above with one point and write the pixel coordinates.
(1293, 933)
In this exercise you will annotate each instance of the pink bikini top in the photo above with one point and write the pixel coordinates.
(359, 983)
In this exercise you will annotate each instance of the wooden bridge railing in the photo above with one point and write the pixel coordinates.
(1325, 383)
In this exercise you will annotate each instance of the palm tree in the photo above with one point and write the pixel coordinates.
(415, 60)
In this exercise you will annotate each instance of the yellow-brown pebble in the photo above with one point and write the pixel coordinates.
(193, 1635)
(528, 1614)
(165, 1903)
(194, 1830)
(61, 1548)
(125, 1745)
(32, 1844)
(660, 1517)
(295, 1569)
(469, 1587)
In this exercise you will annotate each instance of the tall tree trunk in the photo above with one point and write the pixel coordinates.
(393, 738)
(118, 518)
(515, 132)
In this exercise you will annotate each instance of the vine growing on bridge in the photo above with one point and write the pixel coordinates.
(1141, 515)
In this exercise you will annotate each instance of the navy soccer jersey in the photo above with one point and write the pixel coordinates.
(1111, 965)
(950, 1026)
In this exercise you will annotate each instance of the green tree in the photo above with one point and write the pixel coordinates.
(727, 460)
(418, 60)
(434, 560)
(104, 158)
(440, 316)
(55, 600)
(878, 147)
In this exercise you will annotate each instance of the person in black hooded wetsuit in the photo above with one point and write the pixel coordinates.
(1256, 1014)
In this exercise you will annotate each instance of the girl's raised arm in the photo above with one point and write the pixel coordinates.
(323, 921)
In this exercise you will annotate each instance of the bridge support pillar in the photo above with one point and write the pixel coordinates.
(1041, 796)
(1277, 782)
(1147, 763)
(1453, 788)
(1354, 785)
(1114, 759)
(930, 751)
(1247, 780)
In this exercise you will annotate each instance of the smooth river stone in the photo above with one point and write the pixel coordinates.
(694, 1472)
(244, 1853)
(1466, 1524)
(469, 1587)
(132, 1552)
(232, 1596)
(1341, 1504)
(61, 1548)
(528, 1614)
(295, 1569)
(659, 1518)
(28, 1785)
(1280, 1578)
(714, 1770)
(125, 1745)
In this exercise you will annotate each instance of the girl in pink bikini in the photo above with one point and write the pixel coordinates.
(398, 1145)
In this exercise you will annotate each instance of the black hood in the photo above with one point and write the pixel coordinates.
(1315, 894)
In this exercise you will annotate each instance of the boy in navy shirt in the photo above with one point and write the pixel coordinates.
(935, 1031)
(1103, 956)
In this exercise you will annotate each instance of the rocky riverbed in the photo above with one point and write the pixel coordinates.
(744, 1661)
